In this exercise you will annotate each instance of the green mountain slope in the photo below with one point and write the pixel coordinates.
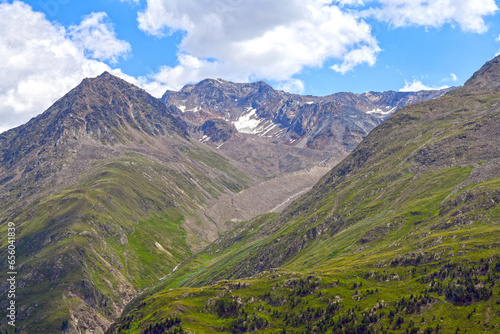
(402, 237)
(100, 188)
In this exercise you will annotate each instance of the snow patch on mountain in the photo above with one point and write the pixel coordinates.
(196, 109)
(267, 129)
(380, 111)
(247, 123)
(204, 139)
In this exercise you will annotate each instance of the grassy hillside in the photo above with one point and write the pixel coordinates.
(85, 251)
(400, 237)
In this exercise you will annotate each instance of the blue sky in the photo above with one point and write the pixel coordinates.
(315, 47)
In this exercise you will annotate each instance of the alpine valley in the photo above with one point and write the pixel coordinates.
(235, 208)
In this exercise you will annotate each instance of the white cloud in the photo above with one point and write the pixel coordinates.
(294, 86)
(350, 2)
(365, 54)
(468, 14)
(97, 37)
(244, 40)
(39, 63)
(417, 85)
(452, 78)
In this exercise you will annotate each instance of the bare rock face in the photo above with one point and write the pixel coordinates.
(294, 120)
(218, 130)
(277, 120)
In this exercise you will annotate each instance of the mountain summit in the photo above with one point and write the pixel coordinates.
(334, 122)
(102, 108)
(96, 115)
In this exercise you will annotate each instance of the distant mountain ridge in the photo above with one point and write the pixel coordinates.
(340, 120)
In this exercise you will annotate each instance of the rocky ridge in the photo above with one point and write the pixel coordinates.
(338, 120)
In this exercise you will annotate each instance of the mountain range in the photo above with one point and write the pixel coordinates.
(399, 237)
(236, 118)
(203, 210)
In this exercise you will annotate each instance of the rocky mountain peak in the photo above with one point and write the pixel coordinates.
(101, 108)
(103, 85)
(486, 78)
(210, 83)
(106, 102)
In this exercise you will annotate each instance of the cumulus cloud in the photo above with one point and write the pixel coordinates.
(245, 40)
(468, 14)
(417, 85)
(39, 62)
(97, 37)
